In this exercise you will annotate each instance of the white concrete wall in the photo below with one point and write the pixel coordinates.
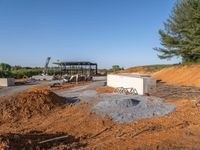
(125, 82)
(140, 83)
(99, 78)
(7, 81)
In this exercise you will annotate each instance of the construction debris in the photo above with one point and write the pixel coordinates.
(126, 91)
(42, 77)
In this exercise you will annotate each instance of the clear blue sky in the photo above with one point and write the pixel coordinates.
(108, 32)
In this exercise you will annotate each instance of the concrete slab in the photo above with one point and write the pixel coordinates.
(142, 83)
(99, 78)
(43, 77)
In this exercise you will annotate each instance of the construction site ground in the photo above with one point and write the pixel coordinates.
(73, 126)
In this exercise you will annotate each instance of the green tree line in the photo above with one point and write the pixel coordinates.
(7, 71)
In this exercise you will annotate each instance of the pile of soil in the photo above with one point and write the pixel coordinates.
(140, 69)
(28, 104)
(104, 89)
(143, 69)
(188, 75)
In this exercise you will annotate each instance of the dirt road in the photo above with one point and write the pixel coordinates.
(13, 90)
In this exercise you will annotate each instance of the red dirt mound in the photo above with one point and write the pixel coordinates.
(188, 75)
(59, 86)
(143, 69)
(139, 69)
(105, 89)
(27, 104)
(86, 130)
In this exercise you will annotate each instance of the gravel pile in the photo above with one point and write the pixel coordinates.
(124, 108)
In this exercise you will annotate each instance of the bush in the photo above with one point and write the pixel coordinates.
(5, 74)
(25, 73)
(5, 67)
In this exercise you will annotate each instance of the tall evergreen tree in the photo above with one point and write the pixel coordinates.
(181, 35)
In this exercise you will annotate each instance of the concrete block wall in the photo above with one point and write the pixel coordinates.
(7, 81)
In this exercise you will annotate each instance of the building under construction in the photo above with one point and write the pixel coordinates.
(76, 67)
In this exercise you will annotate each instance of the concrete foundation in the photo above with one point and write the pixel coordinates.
(7, 81)
(99, 78)
(142, 83)
(43, 77)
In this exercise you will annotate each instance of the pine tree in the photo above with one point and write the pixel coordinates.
(181, 35)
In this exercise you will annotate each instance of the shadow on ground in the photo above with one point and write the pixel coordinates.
(72, 100)
(40, 141)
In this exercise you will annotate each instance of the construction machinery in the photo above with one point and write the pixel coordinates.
(45, 71)
(45, 75)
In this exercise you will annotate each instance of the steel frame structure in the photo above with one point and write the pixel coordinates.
(76, 67)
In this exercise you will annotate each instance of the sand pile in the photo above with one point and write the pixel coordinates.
(126, 108)
(188, 75)
(28, 104)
